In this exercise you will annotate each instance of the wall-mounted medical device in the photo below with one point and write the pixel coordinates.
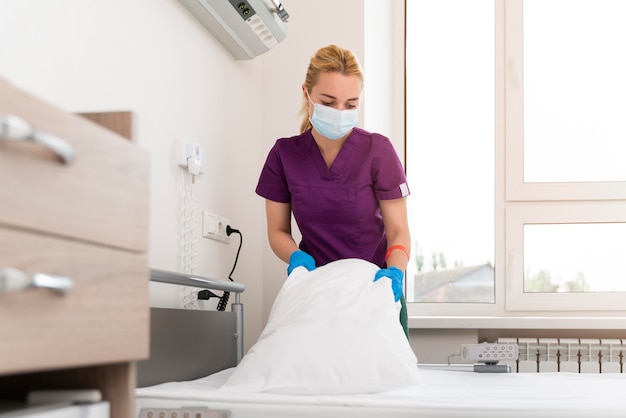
(190, 156)
(246, 28)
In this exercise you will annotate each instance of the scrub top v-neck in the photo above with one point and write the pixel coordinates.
(336, 208)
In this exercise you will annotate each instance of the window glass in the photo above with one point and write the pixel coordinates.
(574, 90)
(450, 150)
(575, 258)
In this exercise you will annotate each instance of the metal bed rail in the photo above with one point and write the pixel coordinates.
(193, 280)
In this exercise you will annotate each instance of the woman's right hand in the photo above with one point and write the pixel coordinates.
(299, 258)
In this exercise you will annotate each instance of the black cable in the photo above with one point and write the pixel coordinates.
(221, 305)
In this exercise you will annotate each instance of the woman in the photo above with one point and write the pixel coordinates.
(345, 186)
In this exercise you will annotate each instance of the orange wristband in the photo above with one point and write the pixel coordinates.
(397, 247)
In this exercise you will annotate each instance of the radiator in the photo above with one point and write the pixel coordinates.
(567, 355)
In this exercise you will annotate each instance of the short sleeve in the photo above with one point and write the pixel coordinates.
(272, 182)
(389, 177)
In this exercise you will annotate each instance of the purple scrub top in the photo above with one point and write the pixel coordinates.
(336, 209)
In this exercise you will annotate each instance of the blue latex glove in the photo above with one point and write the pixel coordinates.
(396, 275)
(300, 259)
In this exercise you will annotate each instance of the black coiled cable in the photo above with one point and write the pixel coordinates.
(221, 305)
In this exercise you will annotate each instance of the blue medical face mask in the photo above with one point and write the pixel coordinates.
(333, 123)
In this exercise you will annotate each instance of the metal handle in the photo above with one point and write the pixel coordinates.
(12, 279)
(17, 129)
(192, 280)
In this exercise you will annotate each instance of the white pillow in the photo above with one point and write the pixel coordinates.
(331, 331)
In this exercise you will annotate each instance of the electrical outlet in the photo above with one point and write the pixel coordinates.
(214, 227)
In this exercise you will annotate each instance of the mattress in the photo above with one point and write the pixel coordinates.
(442, 393)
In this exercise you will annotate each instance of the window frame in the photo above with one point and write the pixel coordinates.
(516, 203)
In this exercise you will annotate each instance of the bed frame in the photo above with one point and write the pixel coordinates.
(189, 344)
(193, 344)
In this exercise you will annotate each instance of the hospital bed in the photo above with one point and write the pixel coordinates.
(439, 392)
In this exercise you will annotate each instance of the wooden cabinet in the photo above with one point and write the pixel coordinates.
(84, 220)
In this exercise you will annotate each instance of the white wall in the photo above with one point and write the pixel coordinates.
(384, 69)
(152, 58)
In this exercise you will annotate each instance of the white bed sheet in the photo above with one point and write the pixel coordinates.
(443, 393)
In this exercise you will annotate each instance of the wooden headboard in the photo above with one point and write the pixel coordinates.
(189, 344)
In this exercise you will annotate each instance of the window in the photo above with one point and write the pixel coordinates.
(515, 142)
(450, 150)
(549, 250)
(574, 90)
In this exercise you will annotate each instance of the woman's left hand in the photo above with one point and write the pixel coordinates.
(396, 275)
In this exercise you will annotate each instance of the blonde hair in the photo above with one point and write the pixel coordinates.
(331, 58)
